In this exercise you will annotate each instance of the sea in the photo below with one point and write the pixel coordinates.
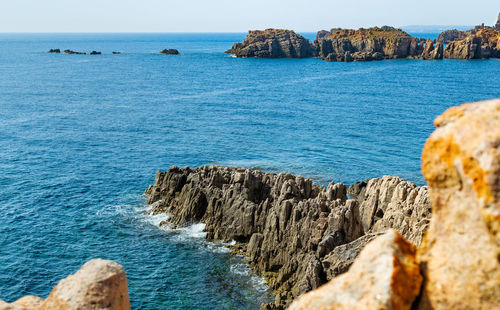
(82, 136)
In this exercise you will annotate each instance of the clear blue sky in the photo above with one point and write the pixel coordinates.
(235, 15)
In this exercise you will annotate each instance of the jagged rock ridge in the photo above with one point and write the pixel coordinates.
(295, 233)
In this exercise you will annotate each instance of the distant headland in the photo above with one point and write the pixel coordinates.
(376, 43)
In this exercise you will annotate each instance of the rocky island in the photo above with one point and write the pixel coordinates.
(376, 43)
(273, 43)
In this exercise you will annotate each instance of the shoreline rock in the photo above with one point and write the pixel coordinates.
(289, 227)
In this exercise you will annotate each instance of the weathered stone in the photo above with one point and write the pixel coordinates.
(273, 43)
(384, 276)
(98, 285)
(481, 42)
(447, 36)
(460, 253)
(288, 224)
(432, 51)
(375, 43)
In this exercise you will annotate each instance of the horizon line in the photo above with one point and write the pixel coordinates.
(207, 32)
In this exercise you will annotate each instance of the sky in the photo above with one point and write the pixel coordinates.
(234, 15)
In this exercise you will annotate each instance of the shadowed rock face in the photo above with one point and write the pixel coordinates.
(297, 234)
(480, 43)
(273, 43)
(497, 25)
(98, 285)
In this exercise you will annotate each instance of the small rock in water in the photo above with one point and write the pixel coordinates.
(95, 53)
(171, 51)
(70, 52)
(116, 53)
(55, 51)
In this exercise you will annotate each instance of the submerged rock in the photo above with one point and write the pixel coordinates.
(289, 226)
(171, 51)
(116, 53)
(460, 253)
(54, 51)
(384, 276)
(273, 43)
(98, 285)
(95, 53)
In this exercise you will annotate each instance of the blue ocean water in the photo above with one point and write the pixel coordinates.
(82, 136)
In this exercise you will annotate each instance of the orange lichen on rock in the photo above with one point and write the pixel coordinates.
(384, 276)
(459, 254)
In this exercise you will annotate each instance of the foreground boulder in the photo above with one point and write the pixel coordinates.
(273, 43)
(384, 276)
(460, 253)
(98, 285)
(296, 234)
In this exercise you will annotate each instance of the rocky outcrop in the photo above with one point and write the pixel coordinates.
(171, 51)
(385, 276)
(273, 43)
(55, 51)
(447, 36)
(95, 53)
(290, 228)
(375, 43)
(98, 285)
(70, 52)
(432, 51)
(480, 43)
(460, 254)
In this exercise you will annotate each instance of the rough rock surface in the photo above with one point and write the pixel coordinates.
(289, 227)
(375, 43)
(432, 51)
(273, 43)
(447, 36)
(384, 276)
(460, 253)
(98, 285)
(480, 43)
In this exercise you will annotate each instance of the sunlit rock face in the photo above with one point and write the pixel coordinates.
(98, 285)
(460, 253)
